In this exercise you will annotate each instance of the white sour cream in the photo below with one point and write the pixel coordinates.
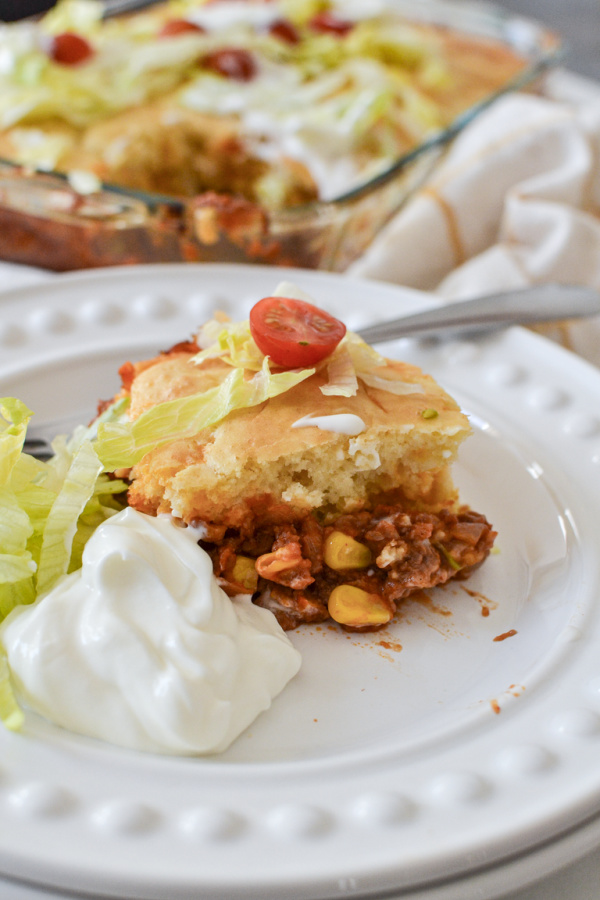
(143, 649)
(228, 13)
(341, 423)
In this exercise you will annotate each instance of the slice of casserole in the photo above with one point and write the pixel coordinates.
(333, 497)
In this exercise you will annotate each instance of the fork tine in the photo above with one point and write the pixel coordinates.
(40, 448)
(48, 429)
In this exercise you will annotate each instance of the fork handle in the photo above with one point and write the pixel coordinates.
(540, 303)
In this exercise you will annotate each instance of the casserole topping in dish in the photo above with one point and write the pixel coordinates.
(277, 101)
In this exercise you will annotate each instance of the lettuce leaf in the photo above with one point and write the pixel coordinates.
(367, 362)
(121, 446)
(61, 523)
(14, 418)
(101, 505)
(341, 374)
(232, 342)
(11, 713)
(354, 359)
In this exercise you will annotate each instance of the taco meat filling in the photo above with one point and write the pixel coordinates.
(396, 553)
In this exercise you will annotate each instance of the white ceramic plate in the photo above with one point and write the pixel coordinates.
(396, 760)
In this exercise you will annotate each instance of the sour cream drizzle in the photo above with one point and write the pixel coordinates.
(229, 13)
(341, 423)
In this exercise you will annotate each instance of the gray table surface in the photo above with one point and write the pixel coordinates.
(577, 21)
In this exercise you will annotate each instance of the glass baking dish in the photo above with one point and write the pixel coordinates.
(45, 221)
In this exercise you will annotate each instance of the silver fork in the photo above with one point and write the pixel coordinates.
(39, 438)
(541, 303)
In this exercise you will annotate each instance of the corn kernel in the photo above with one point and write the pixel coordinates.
(350, 605)
(343, 552)
(244, 572)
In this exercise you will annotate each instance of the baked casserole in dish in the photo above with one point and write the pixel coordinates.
(277, 131)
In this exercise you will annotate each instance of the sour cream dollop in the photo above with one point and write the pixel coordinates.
(142, 648)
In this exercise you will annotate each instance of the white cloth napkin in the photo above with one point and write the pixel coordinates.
(516, 201)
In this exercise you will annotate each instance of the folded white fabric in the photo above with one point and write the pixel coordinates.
(516, 201)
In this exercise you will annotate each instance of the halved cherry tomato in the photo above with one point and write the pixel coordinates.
(70, 49)
(285, 31)
(175, 27)
(293, 333)
(232, 62)
(328, 23)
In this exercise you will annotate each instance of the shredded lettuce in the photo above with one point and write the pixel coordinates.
(121, 445)
(47, 512)
(99, 507)
(231, 342)
(128, 68)
(300, 11)
(116, 412)
(47, 509)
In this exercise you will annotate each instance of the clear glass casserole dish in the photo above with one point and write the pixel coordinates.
(54, 220)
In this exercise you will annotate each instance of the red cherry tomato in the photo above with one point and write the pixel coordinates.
(175, 27)
(285, 31)
(327, 23)
(293, 333)
(70, 49)
(232, 62)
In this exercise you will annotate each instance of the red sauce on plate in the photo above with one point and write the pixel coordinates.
(507, 634)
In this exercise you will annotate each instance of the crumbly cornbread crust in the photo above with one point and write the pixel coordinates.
(255, 459)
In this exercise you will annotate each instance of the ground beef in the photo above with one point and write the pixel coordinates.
(411, 551)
